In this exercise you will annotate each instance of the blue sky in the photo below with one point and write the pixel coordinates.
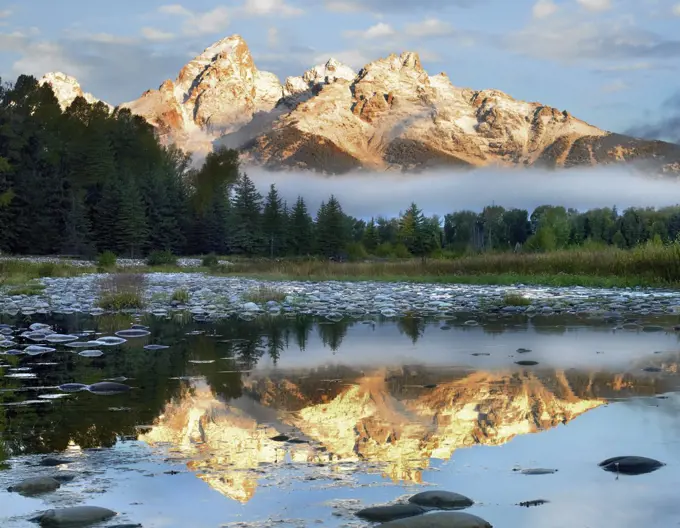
(613, 63)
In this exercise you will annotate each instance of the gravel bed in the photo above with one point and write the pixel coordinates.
(213, 297)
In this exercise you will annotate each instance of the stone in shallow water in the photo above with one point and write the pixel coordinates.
(536, 471)
(60, 338)
(108, 387)
(83, 344)
(445, 500)
(631, 465)
(111, 341)
(35, 486)
(133, 332)
(440, 520)
(91, 353)
(36, 350)
(390, 513)
(74, 516)
(72, 387)
(526, 363)
(155, 347)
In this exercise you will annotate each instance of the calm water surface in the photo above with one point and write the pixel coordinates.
(379, 410)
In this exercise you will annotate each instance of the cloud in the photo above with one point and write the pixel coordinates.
(635, 66)
(430, 27)
(616, 86)
(199, 23)
(676, 10)
(667, 127)
(570, 38)
(5, 13)
(154, 34)
(270, 7)
(442, 191)
(379, 30)
(544, 8)
(354, 58)
(390, 6)
(595, 5)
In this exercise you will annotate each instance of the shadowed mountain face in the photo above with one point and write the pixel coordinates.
(390, 421)
(391, 115)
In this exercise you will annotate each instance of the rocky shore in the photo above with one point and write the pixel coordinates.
(212, 297)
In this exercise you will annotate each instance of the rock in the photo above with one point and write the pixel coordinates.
(523, 350)
(35, 486)
(72, 387)
(440, 520)
(529, 504)
(74, 516)
(526, 363)
(536, 471)
(280, 438)
(390, 513)
(108, 387)
(444, 500)
(52, 462)
(631, 465)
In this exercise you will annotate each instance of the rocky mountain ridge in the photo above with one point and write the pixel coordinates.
(390, 115)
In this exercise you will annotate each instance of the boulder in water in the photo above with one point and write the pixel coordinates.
(631, 465)
(390, 512)
(440, 520)
(52, 462)
(74, 516)
(443, 500)
(35, 486)
(536, 471)
(72, 387)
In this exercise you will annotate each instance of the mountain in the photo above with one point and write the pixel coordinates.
(66, 89)
(390, 115)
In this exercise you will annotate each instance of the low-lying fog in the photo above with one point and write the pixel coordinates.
(442, 191)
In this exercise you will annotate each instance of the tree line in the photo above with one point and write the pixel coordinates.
(87, 180)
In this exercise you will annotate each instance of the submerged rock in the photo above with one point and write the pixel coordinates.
(52, 462)
(440, 520)
(536, 471)
(536, 502)
(444, 500)
(74, 516)
(108, 387)
(35, 486)
(390, 513)
(526, 363)
(631, 465)
(72, 387)
(133, 332)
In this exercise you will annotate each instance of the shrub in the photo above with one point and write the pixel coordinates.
(181, 295)
(356, 251)
(401, 251)
(210, 261)
(47, 269)
(161, 258)
(262, 294)
(515, 299)
(106, 260)
(122, 291)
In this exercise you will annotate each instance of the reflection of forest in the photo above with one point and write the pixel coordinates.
(382, 416)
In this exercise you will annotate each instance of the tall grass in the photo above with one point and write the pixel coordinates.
(262, 294)
(650, 264)
(122, 291)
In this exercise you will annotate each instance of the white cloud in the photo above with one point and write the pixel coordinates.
(379, 30)
(616, 86)
(430, 27)
(342, 7)
(544, 8)
(270, 7)
(595, 5)
(5, 13)
(42, 57)
(175, 9)
(636, 66)
(199, 23)
(676, 10)
(154, 34)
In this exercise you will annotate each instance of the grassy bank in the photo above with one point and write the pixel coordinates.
(650, 265)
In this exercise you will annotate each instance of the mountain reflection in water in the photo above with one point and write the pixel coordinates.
(374, 396)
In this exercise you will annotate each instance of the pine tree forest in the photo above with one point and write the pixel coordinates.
(87, 180)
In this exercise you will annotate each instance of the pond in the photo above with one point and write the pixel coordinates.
(295, 421)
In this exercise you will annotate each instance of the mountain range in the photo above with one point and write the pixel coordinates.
(391, 115)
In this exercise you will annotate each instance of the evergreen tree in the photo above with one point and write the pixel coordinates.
(274, 224)
(300, 229)
(371, 239)
(331, 229)
(246, 229)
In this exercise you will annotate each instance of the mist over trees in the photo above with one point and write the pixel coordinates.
(86, 180)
